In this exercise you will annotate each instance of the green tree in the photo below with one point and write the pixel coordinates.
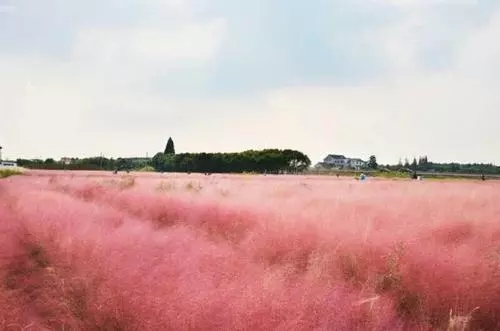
(407, 163)
(414, 164)
(170, 149)
(158, 161)
(372, 163)
(296, 161)
(121, 164)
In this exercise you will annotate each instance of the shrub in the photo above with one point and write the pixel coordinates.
(4, 173)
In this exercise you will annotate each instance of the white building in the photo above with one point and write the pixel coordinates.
(357, 163)
(340, 161)
(6, 163)
(336, 160)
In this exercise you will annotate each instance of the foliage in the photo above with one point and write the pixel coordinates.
(4, 173)
(414, 164)
(169, 148)
(424, 165)
(146, 169)
(372, 163)
(91, 163)
(264, 161)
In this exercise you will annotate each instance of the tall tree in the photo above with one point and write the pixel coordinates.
(414, 164)
(372, 163)
(407, 163)
(170, 149)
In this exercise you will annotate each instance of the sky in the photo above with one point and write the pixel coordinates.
(392, 78)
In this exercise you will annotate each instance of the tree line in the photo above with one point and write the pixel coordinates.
(423, 164)
(91, 163)
(255, 161)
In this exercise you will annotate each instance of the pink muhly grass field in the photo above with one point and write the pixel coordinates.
(97, 251)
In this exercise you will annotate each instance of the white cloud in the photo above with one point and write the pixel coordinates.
(97, 101)
(448, 114)
(7, 9)
(399, 42)
(442, 116)
(150, 46)
(480, 54)
(56, 105)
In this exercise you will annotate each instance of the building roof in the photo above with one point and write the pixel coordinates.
(336, 156)
(359, 160)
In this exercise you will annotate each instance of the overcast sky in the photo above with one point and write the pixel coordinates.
(393, 78)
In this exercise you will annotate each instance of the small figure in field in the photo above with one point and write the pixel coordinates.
(338, 175)
(482, 177)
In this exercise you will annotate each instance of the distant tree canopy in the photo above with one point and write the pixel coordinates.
(170, 149)
(268, 160)
(372, 163)
(92, 163)
(263, 161)
(414, 164)
(423, 164)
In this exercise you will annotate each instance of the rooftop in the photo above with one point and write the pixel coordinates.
(336, 156)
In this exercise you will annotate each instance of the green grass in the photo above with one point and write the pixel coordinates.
(387, 174)
(4, 173)
(146, 169)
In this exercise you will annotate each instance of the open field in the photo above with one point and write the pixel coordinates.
(97, 251)
(404, 175)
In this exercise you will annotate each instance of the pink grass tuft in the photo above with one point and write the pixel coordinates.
(93, 251)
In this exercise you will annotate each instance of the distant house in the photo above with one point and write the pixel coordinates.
(357, 163)
(341, 162)
(8, 164)
(334, 160)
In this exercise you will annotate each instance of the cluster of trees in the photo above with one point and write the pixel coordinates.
(423, 164)
(372, 163)
(91, 163)
(261, 161)
(257, 161)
